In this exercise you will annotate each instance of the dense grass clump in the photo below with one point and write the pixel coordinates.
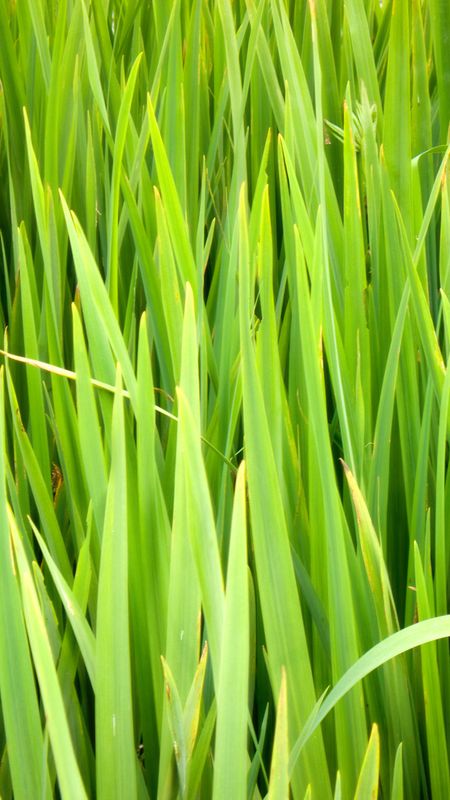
(224, 399)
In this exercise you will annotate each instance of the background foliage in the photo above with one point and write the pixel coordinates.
(224, 485)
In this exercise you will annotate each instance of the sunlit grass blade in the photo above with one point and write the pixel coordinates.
(96, 305)
(437, 744)
(183, 600)
(19, 700)
(88, 426)
(40, 489)
(397, 780)
(369, 776)
(275, 575)
(199, 515)
(67, 768)
(154, 526)
(279, 775)
(116, 756)
(81, 628)
(184, 719)
(397, 137)
(374, 562)
(177, 224)
(179, 295)
(112, 268)
(440, 25)
(363, 53)
(343, 636)
(230, 762)
(400, 642)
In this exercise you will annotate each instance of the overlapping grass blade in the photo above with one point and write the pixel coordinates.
(66, 765)
(278, 595)
(284, 305)
(413, 636)
(19, 700)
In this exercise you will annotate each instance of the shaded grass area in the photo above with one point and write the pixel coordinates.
(224, 492)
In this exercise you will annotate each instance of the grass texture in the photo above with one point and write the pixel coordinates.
(224, 399)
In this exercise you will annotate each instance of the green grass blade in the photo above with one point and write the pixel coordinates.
(436, 736)
(112, 276)
(96, 302)
(230, 770)
(400, 642)
(440, 27)
(66, 765)
(116, 758)
(397, 780)
(19, 701)
(279, 774)
(77, 619)
(279, 599)
(369, 775)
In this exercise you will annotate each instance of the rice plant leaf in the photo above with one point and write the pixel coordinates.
(41, 212)
(178, 296)
(18, 695)
(363, 53)
(154, 526)
(89, 426)
(369, 776)
(343, 636)
(66, 765)
(235, 83)
(96, 301)
(38, 433)
(400, 642)
(230, 770)
(397, 780)
(169, 287)
(37, 16)
(93, 72)
(201, 751)
(257, 763)
(379, 467)
(81, 628)
(440, 27)
(184, 721)
(116, 759)
(279, 774)
(374, 561)
(193, 704)
(280, 606)
(176, 221)
(177, 727)
(40, 490)
(184, 598)
(428, 336)
(440, 579)
(397, 136)
(338, 789)
(436, 737)
(202, 529)
(112, 276)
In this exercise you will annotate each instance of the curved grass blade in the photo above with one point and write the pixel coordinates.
(400, 642)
